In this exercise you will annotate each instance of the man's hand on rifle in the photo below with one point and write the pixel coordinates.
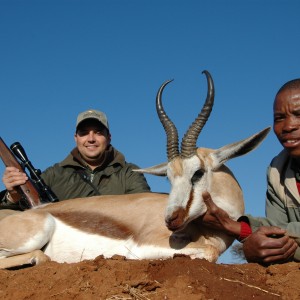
(17, 183)
(12, 177)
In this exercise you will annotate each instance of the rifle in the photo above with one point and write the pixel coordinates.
(34, 191)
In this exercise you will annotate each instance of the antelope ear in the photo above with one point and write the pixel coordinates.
(221, 155)
(158, 170)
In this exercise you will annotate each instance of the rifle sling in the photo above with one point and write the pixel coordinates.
(86, 179)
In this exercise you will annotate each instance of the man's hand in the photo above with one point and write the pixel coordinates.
(217, 218)
(12, 177)
(269, 245)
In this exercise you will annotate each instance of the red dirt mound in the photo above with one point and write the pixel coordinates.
(177, 278)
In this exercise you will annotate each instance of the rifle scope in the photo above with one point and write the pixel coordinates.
(20, 153)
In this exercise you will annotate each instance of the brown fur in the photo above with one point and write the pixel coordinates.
(94, 223)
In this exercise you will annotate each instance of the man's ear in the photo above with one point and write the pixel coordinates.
(75, 137)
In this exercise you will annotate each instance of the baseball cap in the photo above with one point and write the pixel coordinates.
(92, 114)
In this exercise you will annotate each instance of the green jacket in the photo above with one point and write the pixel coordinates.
(72, 179)
(282, 199)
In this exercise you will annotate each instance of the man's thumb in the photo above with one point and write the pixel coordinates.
(207, 198)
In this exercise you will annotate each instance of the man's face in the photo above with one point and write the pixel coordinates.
(287, 120)
(92, 139)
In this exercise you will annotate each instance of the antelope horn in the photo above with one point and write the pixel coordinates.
(170, 129)
(188, 144)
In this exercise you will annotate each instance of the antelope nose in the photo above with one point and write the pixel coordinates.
(170, 221)
(176, 219)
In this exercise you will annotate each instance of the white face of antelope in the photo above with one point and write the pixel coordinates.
(189, 180)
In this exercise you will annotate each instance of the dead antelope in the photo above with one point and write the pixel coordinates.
(138, 226)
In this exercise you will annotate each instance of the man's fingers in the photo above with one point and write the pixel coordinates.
(13, 177)
(207, 199)
(209, 202)
(285, 253)
(271, 230)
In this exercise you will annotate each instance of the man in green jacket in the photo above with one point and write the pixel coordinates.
(94, 166)
(276, 238)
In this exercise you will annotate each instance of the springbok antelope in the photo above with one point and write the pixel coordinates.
(138, 226)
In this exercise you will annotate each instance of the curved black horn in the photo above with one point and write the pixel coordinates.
(170, 129)
(188, 144)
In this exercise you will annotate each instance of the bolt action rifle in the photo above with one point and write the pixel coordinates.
(34, 191)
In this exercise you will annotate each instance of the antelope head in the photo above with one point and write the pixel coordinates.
(193, 170)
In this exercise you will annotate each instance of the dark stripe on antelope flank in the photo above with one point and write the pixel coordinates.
(94, 223)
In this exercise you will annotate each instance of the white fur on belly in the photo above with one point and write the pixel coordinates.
(70, 245)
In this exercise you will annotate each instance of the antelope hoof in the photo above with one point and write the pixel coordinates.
(39, 257)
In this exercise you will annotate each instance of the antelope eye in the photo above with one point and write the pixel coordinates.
(197, 176)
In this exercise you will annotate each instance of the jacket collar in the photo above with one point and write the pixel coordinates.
(282, 169)
(113, 158)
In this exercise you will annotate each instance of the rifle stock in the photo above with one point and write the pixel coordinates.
(26, 190)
